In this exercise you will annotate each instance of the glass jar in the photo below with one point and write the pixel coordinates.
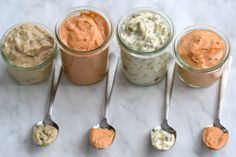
(149, 67)
(197, 77)
(30, 74)
(84, 67)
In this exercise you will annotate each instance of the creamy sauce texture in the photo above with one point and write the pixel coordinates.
(214, 137)
(145, 31)
(101, 138)
(28, 45)
(84, 32)
(201, 49)
(162, 140)
(44, 135)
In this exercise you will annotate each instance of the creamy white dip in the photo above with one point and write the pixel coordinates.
(140, 33)
(145, 31)
(162, 140)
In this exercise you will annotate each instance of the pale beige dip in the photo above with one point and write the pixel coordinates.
(29, 51)
(28, 45)
(44, 135)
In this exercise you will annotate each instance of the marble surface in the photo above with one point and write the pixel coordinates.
(134, 110)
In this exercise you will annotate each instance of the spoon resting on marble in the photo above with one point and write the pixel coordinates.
(45, 132)
(163, 137)
(103, 134)
(215, 136)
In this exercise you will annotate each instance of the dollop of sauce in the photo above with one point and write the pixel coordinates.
(215, 138)
(84, 32)
(161, 139)
(145, 31)
(28, 45)
(44, 135)
(101, 138)
(201, 49)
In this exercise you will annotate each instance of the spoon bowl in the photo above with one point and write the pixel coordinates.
(165, 127)
(104, 125)
(216, 124)
(219, 125)
(46, 122)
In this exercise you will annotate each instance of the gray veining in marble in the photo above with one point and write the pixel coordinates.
(134, 110)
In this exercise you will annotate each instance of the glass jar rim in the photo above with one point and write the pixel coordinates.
(6, 60)
(143, 9)
(190, 28)
(76, 11)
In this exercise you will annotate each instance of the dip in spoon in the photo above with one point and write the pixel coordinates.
(45, 132)
(163, 137)
(103, 134)
(215, 136)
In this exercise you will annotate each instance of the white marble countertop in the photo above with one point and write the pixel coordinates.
(134, 110)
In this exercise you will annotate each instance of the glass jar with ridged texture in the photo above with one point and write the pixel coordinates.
(200, 77)
(20, 69)
(84, 67)
(144, 67)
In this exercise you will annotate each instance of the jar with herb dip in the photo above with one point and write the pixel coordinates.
(28, 49)
(201, 53)
(144, 36)
(83, 35)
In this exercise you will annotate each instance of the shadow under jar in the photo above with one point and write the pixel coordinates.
(201, 53)
(144, 36)
(83, 35)
(28, 49)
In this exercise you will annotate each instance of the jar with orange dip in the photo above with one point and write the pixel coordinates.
(201, 53)
(83, 35)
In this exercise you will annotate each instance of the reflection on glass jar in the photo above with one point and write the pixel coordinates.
(201, 53)
(144, 36)
(83, 35)
(28, 49)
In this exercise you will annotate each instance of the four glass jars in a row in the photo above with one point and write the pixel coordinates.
(145, 37)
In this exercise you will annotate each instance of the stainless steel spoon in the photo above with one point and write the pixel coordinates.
(113, 59)
(168, 91)
(223, 85)
(55, 79)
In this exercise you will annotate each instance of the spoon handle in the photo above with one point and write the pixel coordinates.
(55, 79)
(113, 59)
(223, 85)
(169, 85)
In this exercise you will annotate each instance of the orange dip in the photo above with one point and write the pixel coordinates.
(84, 32)
(201, 49)
(79, 34)
(101, 138)
(214, 137)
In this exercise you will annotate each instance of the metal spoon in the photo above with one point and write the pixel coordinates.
(113, 59)
(168, 91)
(55, 79)
(223, 85)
